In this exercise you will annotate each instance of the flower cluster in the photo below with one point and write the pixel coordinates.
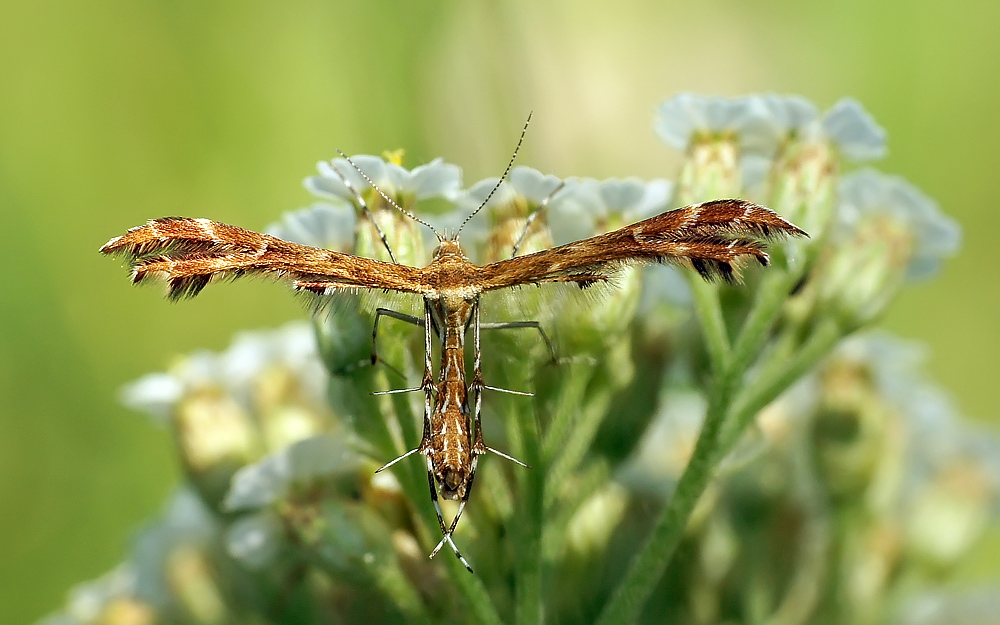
(700, 452)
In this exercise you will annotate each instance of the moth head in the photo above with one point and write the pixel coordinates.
(449, 247)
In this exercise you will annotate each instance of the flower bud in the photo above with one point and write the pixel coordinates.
(886, 231)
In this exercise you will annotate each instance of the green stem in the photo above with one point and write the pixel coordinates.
(392, 583)
(414, 482)
(387, 578)
(570, 393)
(713, 325)
(648, 566)
(806, 585)
(729, 366)
(778, 378)
(558, 512)
(528, 572)
(471, 586)
(576, 445)
(771, 296)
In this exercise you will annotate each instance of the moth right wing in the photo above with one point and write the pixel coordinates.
(712, 238)
(189, 253)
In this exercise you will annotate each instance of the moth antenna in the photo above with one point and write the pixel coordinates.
(502, 178)
(368, 211)
(387, 198)
(533, 216)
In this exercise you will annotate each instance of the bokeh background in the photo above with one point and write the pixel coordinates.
(116, 111)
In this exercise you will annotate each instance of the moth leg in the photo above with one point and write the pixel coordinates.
(505, 456)
(434, 495)
(447, 533)
(511, 325)
(534, 215)
(427, 386)
(427, 383)
(368, 212)
(379, 312)
(507, 390)
(398, 458)
(478, 446)
(396, 391)
(426, 448)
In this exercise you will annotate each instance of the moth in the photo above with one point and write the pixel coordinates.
(712, 238)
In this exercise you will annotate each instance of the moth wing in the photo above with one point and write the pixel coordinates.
(190, 253)
(713, 238)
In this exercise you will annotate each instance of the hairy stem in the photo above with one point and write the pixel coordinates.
(730, 366)
(713, 325)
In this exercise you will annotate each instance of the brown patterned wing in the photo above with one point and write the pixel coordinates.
(189, 253)
(712, 237)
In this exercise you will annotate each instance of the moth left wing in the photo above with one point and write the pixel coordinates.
(712, 237)
(189, 253)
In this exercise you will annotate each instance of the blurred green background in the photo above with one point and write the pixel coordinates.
(116, 111)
